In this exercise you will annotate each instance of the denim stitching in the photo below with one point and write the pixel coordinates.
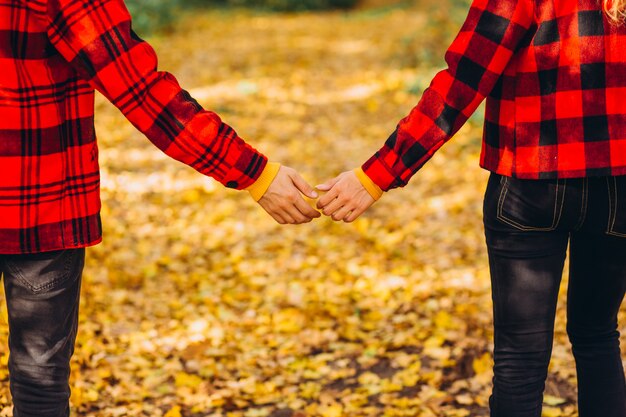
(555, 220)
(613, 209)
(556, 202)
(49, 285)
(67, 268)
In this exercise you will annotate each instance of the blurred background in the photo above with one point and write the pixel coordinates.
(197, 304)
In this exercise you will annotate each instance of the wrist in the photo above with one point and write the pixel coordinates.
(259, 187)
(374, 190)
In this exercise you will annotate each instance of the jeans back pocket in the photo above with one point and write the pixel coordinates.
(531, 205)
(46, 271)
(617, 206)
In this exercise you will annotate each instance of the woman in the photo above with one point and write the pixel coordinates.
(554, 76)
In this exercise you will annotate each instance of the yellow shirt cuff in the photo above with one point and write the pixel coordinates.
(375, 191)
(260, 186)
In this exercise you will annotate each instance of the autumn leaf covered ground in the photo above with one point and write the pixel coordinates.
(197, 304)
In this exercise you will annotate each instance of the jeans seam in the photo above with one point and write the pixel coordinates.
(612, 209)
(583, 205)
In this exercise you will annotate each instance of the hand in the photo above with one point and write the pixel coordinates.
(346, 199)
(283, 200)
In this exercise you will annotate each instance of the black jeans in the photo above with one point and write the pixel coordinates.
(42, 293)
(528, 225)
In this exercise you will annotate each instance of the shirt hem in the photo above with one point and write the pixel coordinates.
(560, 174)
(51, 248)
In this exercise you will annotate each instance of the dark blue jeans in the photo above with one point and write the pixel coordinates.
(528, 226)
(42, 293)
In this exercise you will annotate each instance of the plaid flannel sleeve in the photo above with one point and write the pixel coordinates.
(492, 32)
(96, 38)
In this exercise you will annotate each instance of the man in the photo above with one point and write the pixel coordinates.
(54, 54)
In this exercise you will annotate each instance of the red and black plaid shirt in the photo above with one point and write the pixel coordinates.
(53, 54)
(554, 75)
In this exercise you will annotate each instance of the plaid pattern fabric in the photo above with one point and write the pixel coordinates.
(53, 55)
(554, 75)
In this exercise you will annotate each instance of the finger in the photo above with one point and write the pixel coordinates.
(332, 207)
(286, 215)
(277, 217)
(304, 208)
(280, 214)
(355, 214)
(327, 198)
(342, 213)
(270, 210)
(328, 184)
(298, 218)
(303, 186)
